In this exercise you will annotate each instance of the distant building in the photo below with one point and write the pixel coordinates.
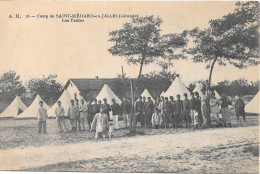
(88, 89)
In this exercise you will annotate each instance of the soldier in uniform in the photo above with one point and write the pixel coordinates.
(167, 111)
(83, 114)
(240, 108)
(172, 117)
(198, 100)
(225, 110)
(72, 114)
(126, 109)
(204, 107)
(59, 112)
(90, 114)
(186, 110)
(144, 112)
(179, 111)
(41, 117)
(100, 124)
(107, 108)
(139, 111)
(95, 108)
(116, 111)
(149, 108)
(78, 117)
(193, 111)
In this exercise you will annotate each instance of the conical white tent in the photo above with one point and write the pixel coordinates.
(177, 87)
(147, 94)
(106, 92)
(198, 88)
(31, 111)
(16, 107)
(65, 103)
(217, 94)
(253, 105)
(162, 94)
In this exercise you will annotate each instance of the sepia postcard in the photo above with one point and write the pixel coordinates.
(129, 86)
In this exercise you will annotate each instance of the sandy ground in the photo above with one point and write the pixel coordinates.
(211, 151)
(218, 150)
(24, 133)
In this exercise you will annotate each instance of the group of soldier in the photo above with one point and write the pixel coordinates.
(163, 112)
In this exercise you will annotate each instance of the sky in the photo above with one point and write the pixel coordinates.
(38, 46)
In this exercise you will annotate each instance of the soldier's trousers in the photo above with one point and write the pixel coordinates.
(73, 123)
(82, 123)
(61, 124)
(225, 114)
(42, 125)
(78, 127)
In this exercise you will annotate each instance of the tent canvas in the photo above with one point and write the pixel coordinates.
(146, 94)
(198, 88)
(106, 92)
(31, 111)
(217, 94)
(162, 94)
(65, 103)
(16, 107)
(253, 105)
(177, 87)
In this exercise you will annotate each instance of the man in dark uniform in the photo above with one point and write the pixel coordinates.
(99, 103)
(224, 110)
(149, 108)
(240, 108)
(107, 108)
(95, 107)
(198, 101)
(167, 111)
(116, 111)
(178, 111)
(126, 109)
(172, 117)
(193, 111)
(91, 115)
(78, 117)
(186, 110)
(144, 110)
(139, 111)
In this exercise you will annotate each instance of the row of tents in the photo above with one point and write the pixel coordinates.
(18, 109)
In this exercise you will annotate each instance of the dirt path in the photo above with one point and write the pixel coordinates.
(132, 148)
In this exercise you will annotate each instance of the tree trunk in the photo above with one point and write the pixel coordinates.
(132, 130)
(207, 92)
(211, 70)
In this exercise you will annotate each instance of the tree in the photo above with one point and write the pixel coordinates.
(47, 87)
(159, 75)
(238, 87)
(141, 43)
(11, 86)
(232, 39)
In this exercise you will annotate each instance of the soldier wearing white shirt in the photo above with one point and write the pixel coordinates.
(83, 114)
(41, 117)
(72, 114)
(59, 112)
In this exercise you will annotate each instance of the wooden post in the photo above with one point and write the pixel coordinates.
(131, 113)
